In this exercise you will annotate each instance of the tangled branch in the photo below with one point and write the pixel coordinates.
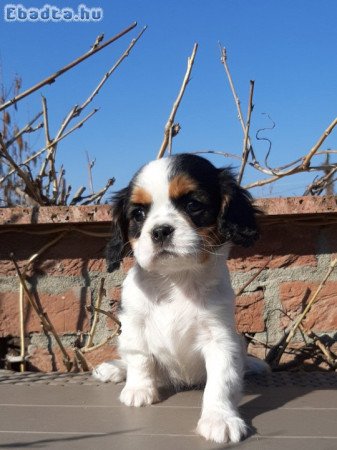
(301, 165)
(169, 131)
(52, 78)
(49, 186)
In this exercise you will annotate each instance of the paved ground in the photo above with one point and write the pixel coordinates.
(284, 411)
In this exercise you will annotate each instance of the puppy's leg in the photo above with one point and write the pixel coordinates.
(220, 420)
(141, 388)
(111, 371)
(141, 385)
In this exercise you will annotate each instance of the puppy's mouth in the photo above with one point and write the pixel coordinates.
(166, 253)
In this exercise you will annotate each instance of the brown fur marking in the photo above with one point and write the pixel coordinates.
(180, 185)
(140, 196)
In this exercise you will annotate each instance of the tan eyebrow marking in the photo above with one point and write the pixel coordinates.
(180, 185)
(141, 196)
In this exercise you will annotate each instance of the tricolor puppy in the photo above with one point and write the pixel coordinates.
(179, 217)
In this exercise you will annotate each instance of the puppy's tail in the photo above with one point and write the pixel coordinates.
(255, 366)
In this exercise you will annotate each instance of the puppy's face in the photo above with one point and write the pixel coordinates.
(178, 211)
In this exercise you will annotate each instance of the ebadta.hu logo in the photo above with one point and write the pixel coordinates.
(51, 13)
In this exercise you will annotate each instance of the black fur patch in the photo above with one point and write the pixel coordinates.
(119, 246)
(202, 205)
(237, 222)
(222, 201)
(217, 202)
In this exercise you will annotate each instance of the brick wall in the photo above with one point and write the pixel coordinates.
(298, 240)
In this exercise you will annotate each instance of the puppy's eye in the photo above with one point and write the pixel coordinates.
(194, 207)
(138, 214)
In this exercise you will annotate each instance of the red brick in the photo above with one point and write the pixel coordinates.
(114, 295)
(323, 314)
(74, 255)
(257, 349)
(249, 312)
(9, 314)
(43, 361)
(301, 206)
(289, 247)
(56, 214)
(66, 311)
(127, 263)
(331, 237)
(70, 266)
(105, 353)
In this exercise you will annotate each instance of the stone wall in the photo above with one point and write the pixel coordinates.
(298, 241)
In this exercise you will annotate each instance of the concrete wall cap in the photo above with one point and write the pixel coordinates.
(296, 207)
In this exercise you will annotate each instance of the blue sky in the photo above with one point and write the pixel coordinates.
(288, 47)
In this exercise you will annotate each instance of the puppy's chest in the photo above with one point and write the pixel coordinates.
(172, 327)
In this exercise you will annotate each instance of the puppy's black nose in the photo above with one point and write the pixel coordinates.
(161, 233)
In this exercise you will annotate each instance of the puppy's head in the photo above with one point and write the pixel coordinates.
(177, 212)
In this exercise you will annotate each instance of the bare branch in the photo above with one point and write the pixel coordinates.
(78, 196)
(38, 153)
(90, 165)
(302, 316)
(318, 186)
(110, 72)
(223, 53)
(170, 122)
(217, 152)
(302, 166)
(31, 191)
(307, 159)
(45, 322)
(101, 294)
(26, 129)
(51, 79)
(256, 274)
(45, 119)
(246, 149)
(98, 196)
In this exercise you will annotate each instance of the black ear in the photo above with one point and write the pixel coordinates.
(237, 220)
(119, 246)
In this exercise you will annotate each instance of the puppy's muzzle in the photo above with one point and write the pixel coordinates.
(162, 234)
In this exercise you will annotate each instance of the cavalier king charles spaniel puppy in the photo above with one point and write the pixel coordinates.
(179, 217)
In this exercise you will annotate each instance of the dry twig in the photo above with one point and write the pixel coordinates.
(170, 122)
(311, 302)
(223, 58)
(52, 78)
(256, 274)
(45, 322)
(276, 352)
(300, 165)
(101, 294)
(246, 149)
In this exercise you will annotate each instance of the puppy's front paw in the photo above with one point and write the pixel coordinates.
(110, 371)
(221, 428)
(139, 396)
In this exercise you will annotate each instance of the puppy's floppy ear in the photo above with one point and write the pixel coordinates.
(119, 246)
(237, 222)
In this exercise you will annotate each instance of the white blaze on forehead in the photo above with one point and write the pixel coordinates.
(153, 178)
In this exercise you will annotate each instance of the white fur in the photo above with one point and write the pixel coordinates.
(154, 179)
(178, 319)
(179, 329)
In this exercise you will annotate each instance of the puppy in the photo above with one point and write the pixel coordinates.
(179, 217)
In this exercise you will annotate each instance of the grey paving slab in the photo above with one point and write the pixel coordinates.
(75, 412)
(114, 441)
